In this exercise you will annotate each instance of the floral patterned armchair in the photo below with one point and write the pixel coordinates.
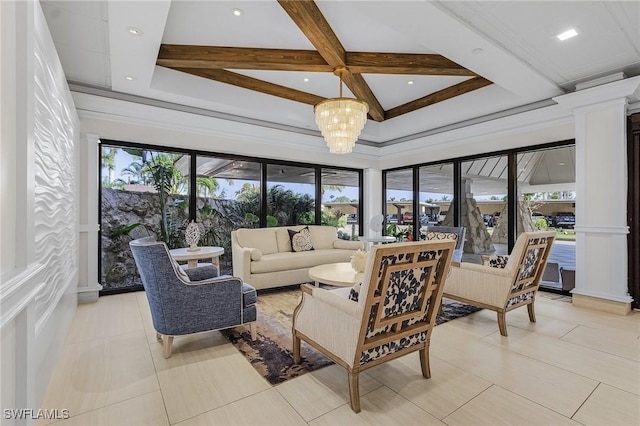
(503, 283)
(391, 314)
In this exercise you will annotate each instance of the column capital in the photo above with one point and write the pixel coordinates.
(619, 91)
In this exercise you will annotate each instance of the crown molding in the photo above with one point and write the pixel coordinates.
(627, 90)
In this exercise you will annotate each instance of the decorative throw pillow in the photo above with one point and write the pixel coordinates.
(354, 293)
(301, 240)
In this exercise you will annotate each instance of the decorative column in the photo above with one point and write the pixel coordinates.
(373, 198)
(601, 194)
(89, 228)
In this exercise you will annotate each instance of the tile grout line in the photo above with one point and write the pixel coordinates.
(563, 368)
(443, 420)
(155, 368)
(585, 401)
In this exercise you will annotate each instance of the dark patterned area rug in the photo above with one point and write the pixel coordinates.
(271, 353)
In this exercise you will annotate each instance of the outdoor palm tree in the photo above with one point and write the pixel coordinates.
(206, 186)
(134, 173)
(108, 158)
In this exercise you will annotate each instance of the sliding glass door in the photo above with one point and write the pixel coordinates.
(143, 193)
(157, 192)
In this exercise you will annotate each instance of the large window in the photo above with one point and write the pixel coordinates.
(495, 197)
(484, 205)
(291, 195)
(341, 201)
(227, 198)
(435, 196)
(546, 200)
(399, 204)
(146, 191)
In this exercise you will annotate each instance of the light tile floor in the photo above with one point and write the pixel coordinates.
(573, 366)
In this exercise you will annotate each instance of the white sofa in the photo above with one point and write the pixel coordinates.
(263, 257)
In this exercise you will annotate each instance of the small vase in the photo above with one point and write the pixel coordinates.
(192, 236)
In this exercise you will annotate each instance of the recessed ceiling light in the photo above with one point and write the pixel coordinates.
(567, 34)
(560, 164)
(410, 82)
(134, 31)
(129, 78)
(305, 79)
(238, 12)
(477, 51)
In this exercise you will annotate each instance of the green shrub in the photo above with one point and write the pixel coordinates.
(541, 223)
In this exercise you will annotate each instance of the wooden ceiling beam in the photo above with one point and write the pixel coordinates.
(251, 83)
(216, 57)
(306, 15)
(404, 63)
(439, 96)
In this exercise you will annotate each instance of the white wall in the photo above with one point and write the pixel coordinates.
(39, 232)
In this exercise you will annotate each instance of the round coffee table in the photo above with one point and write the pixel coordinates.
(338, 274)
(192, 257)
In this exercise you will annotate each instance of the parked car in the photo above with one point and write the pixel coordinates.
(442, 215)
(563, 220)
(352, 218)
(425, 219)
(407, 217)
(496, 217)
(536, 216)
(392, 218)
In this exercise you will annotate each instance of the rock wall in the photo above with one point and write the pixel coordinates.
(477, 239)
(525, 223)
(124, 208)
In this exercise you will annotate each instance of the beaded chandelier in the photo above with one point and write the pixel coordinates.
(341, 120)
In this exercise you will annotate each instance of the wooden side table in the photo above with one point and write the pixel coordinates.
(192, 257)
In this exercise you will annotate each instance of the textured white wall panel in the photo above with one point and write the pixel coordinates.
(56, 144)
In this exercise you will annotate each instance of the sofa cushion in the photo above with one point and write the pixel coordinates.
(300, 240)
(256, 254)
(204, 271)
(283, 239)
(322, 237)
(249, 295)
(264, 239)
(306, 259)
(348, 244)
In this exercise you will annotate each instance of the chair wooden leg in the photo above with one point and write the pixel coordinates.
(532, 312)
(254, 331)
(424, 362)
(502, 323)
(296, 349)
(354, 391)
(168, 342)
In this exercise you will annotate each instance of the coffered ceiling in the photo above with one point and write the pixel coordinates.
(421, 65)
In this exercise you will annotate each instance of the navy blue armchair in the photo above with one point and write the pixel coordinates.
(192, 301)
